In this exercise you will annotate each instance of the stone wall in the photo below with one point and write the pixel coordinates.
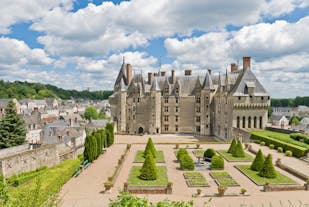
(13, 150)
(285, 131)
(244, 134)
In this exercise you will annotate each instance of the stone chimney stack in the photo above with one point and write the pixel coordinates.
(150, 78)
(233, 67)
(173, 77)
(246, 63)
(162, 73)
(188, 72)
(209, 71)
(129, 74)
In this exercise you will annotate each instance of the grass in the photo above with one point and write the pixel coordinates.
(198, 182)
(229, 157)
(282, 137)
(225, 181)
(253, 175)
(139, 158)
(134, 179)
(220, 174)
(199, 153)
(193, 175)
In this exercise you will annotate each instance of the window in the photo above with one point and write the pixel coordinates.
(133, 117)
(238, 121)
(138, 99)
(206, 125)
(176, 109)
(262, 98)
(198, 109)
(165, 100)
(243, 122)
(133, 108)
(198, 128)
(254, 122)
(207, 106)
(207, 116)
(165, 118)
(249, 122)
(176, 118)
(261, 122)
(198, 100)
(239, 98)
(165, 90)
(198, 119)
(165, 127)
(165, 108)
(177, 90)
(176, 100)
(176, 128)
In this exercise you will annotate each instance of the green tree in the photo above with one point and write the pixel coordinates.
(91, 113)
(258, 162)
(232, 146)
(109, 129)
(12, 128)
(239, 150)
(268, 169)
(295, 121)
(149, 170)
(99, 141)
(150, 148)
(217, 162)
(186, 162)
(209, 153)
(90, 151)
(4, 194)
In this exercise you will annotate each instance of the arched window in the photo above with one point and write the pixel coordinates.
(243, 122)
(254, 122)
(238, 121)
(249, 122)
(261, 122)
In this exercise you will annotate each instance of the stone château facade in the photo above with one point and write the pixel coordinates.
(211, 105)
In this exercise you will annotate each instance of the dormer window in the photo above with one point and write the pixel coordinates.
(165, 90)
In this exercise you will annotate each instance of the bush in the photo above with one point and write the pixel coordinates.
(90, 151)
(296, 150)
(186, 162)
(271, 146)
(262, 143)
(298, 136)
(280, 149)
(258, 162)
(109, 129)
(268, 169)
(217, 163)
(149, 170)
(232, 148)
(239, 150)
(150, 148)
(289, 153)
(209, 153)
(180, 153)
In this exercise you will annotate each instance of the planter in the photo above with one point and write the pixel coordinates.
(108, 186)
(221, 190)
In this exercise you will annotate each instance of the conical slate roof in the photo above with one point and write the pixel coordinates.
(155, 86)
(207, 84)
(122, 85)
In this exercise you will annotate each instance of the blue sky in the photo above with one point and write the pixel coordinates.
(80, 44)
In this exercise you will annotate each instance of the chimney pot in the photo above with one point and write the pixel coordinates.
(173, 77)
(233, 67)
(162, 73)
(150, 78)
(188, 72)
(246, 63)
(209, 71)
(129, 74)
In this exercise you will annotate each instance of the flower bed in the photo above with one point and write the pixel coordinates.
(195, 179)
(193, 175)
(223, 179)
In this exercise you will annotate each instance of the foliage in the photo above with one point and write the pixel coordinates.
(186, 162)
(262, 143)
(22, 90)
(209, 153)
(140, 157)
(232, 146)
(91, 113)
(299, 137)
(99, 140)
(135, 180)
(109, 129)
(219, 174)
(289, 153)
(12, 128)
(150, 148)
(193, 175)
(90, 151)
(180, 153)
(4, 193)
(271, 146)
(217, 163)
(279, 149)
(229, 157)
(149, 169)
(226, 181)
(22, 178)
(239, 150)
(268, 169)
(197, 182)
(258, 162)
(291, 102)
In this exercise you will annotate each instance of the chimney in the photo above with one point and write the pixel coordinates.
(246, 63)
(173, 77)
(162, 73)
(188, 72)
(35, 108)
(129, 73)
(149, 78)
(209, 71)
(233, 67)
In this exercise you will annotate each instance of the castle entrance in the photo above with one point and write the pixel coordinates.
(141, 130)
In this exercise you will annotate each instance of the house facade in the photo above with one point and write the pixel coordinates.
(208, 105)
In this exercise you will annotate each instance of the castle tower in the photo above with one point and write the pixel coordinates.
(123, 103)
(155, 108)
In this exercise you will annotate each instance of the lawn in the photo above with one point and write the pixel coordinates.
(198, 182)
(220, 174)
(134, 179)
(139, 158)
(253, 175)
(223, 178)
(192, 175)
(229, 157)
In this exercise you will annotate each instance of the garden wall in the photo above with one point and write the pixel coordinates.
(269, 188)
(148, 189)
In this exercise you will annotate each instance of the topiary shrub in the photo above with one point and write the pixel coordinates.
(186, 162)
(280, 149)
(217, 163)
(268, 169)
(232, 146)
(289, 153)
(149, 169)
(180, 153)
(209, 153)
(150, 147)
(239, 150)
(262, 143)
(258, 162)
(271, 146)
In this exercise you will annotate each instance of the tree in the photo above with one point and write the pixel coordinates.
(239, 150)
(217, 162)
(109, 129)
(99, 140)
(90, 151)
(295, 121)
(150, 147)
(258, 162)
(4, 195)
(186, 162)
(91, 113)
(209, 153)
(232, 146)
(268, 169)
(12, 128)
(149, 170)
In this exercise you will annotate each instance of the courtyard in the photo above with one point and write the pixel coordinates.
(88, 190)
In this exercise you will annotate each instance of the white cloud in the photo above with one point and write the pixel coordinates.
(276, 8)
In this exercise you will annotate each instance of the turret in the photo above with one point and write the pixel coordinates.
(155, 108)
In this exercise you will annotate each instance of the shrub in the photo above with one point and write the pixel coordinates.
(262, 143)
(90, 151)
(268, 169)
(149, 170)
(271, 146)
(280, 149)
(243, 190)
(232, 146)
(258, 162)
(217, 162)
(186, 162)
(109, 134)
(289, 153)
(298, 136)
(150, 147)
(239, 150)
(180, 153)
(198, 191)
(209, 153)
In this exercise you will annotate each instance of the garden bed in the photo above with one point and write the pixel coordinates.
(195, 179)
(139, 158)
(192, 175)
(229, 157)
(134, 179)
(223, 179)
(254, 177)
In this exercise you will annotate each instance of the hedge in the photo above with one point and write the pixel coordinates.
(299, 136)
(209, 153)
(186, 162)
(296, 150)
(217, 163)
(180, 153)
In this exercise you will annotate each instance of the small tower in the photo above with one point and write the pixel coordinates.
(155, 108)
(123, 103)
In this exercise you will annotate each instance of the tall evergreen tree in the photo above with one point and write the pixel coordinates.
(109, 134)
(258, 162)
(268, 169)
(90, 151)
(12, 128)
(98, 137)
(149, 171)
(150, 148)
(239, 150)
(232, 146)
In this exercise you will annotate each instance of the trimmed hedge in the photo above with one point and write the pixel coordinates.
(217, 163)
(268, 169)
(180, 153)
(299, 136)
(186, 162)
(239, 150)
(258, 162)
(209, 153)
(296, 150)
(149, 171)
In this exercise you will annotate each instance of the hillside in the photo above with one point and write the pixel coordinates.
(290, 102)
(21, 90)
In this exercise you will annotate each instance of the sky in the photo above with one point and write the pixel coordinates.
(80, 44)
